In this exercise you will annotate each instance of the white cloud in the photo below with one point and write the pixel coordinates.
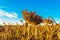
(11, 22)
(8, 14)
(57, 20)
(14, 13)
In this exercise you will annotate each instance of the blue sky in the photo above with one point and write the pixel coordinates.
(43, 8)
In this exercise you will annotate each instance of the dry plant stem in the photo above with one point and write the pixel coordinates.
(28, 29)
(36, 32)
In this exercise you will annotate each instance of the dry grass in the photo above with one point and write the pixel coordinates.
(30, 32)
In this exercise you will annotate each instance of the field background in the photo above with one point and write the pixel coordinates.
(30, 32)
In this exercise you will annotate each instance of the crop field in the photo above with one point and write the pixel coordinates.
(29, 32)
(31, 29)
